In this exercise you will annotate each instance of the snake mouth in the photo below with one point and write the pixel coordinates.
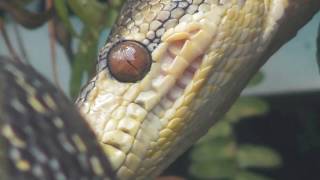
(172, 79)
(144, 126)
(184, 75)
(179, 78)
(175, 96)
(182, 82)
(140, 122)
(145, 117)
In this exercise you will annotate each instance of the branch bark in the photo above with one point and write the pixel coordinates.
(24, 17)
(52, 38)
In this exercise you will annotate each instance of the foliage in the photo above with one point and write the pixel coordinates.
(95, 15)
(218, 155)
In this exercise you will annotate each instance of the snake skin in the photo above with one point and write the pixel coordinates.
(204, 52)
(42, 135)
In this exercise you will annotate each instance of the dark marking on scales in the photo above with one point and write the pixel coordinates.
(38, 136)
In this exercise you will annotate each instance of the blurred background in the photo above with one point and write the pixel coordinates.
(272, 132)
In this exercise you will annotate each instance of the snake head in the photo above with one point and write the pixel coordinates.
(202, 53)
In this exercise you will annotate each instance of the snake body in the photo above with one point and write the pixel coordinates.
(203, 54)
(39, 137)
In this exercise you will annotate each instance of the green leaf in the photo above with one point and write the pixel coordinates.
(215, 150)
(91, 12)
(62, 11)
(257, 156)
(26, 18)
(115, 3)
(247, 175)
(256, 79)
(85, 60)
(112, 15)
(221, 130)
(247, 107)
(217, 170)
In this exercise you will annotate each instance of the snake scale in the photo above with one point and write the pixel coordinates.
(169, 70)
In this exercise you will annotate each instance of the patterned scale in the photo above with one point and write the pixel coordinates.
(42, 134)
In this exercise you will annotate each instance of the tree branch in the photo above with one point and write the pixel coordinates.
(7, 41)
(24, 17)
(52, 37)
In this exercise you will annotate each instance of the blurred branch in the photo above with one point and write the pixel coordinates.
(91, 12)
(20, 43)
(6, 38)
(64, 38)
(318, 48)
(22, 2)
(24, 17)
(61, 8)
(52, 38)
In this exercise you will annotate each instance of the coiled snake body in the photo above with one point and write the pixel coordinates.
(201, 53)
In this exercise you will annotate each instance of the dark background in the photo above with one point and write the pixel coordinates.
(291, 127)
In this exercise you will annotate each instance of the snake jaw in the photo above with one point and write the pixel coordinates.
(196, 64)
(163, 97)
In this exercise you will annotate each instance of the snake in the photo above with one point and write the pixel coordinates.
(168, 71)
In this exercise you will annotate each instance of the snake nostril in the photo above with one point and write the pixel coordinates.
(129, 61)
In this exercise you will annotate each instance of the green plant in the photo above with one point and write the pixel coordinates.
(95, 15)
(218, 155)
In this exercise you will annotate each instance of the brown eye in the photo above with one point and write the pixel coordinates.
(128, 61)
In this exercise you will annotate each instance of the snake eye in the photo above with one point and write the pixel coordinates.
(129, 61)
